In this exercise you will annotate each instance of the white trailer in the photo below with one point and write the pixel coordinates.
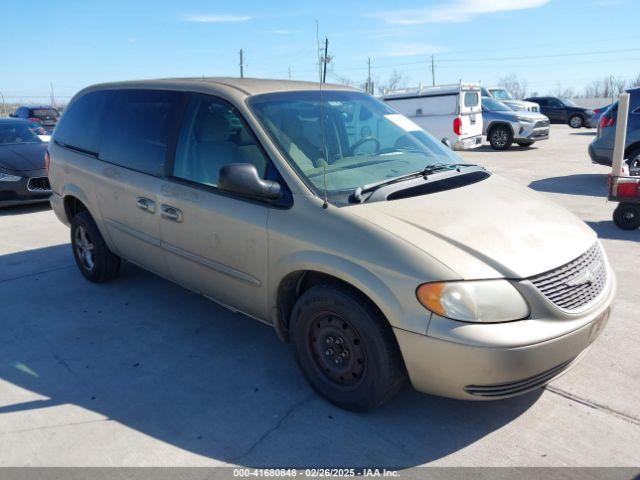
(451, 112)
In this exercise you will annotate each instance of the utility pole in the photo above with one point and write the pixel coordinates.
(241, 64)
(325, 60)
(369, 87)
(433, 72)
(53, 101)
(289, 72)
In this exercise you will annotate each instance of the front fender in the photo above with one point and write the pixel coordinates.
(402, 311)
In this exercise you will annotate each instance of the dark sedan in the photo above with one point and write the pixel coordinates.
(23, 178)
(564, 110)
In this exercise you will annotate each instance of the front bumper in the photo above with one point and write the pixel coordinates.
(468, 143)
(494, 361)
(530, 132)
(22, 192)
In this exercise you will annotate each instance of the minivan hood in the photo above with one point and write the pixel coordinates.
(490, 229)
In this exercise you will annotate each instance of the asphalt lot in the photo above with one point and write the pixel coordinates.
(142, 372)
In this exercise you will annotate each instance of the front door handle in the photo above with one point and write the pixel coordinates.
(171, 213)
(146, 204)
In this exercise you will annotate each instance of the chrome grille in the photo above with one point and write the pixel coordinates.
(38, 184)
(577, 283)
(541, 123)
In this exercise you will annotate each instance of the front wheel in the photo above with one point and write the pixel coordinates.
(345, 349)
(576, 121)
(500, 137)
(94, 259)
(627, 216)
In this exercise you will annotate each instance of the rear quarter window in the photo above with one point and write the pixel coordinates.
(138, 127)
(471, 99)
(80, 125)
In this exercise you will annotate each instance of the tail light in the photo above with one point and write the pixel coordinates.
(457, 126)
(628, 190)
(47, 160)
(606, 121)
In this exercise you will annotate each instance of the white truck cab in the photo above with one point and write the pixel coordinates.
(452, 112)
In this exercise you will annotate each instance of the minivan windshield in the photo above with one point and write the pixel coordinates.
(363, 140)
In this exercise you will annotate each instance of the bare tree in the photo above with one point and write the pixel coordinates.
(635, 82)
(395, 81)
(512, 85)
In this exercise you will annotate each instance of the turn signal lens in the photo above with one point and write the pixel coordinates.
(486, 301)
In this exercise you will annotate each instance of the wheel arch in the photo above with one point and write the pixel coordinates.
(293, 284)
(630, 148)
(499, 123)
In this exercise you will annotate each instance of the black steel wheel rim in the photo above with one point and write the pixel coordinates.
(337, 350)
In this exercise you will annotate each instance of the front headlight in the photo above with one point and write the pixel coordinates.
(486, 301)
(589, 112)
(5, 177)
(525, 119)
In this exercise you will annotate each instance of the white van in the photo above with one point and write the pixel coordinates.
(452, 112)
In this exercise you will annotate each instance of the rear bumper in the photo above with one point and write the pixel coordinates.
(57, 205)
(468, 143)
(19, 193)
(485, 370)
(601, 156)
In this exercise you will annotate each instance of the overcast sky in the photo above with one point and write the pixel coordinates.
(71, 44)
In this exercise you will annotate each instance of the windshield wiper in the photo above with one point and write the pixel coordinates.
(428, 170)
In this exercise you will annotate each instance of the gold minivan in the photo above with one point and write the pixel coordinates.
(323, 212)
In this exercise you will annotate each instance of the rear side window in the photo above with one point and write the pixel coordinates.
(44, 113)
(471, 99)
(79, 127)
(138, 128)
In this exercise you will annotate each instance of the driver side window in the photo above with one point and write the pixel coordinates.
(213, 135)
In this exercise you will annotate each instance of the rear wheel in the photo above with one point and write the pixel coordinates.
(627, 216)
(500, 137)
(94, 259)
(345, 349)
(576, 121)
(525, 144)
(633, 160)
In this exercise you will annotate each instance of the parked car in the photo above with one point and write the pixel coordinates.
(43, 114)
(404, 260)
(503, 126)
(23, 178)
(564, 110)
(601, 148)
(505, 97)
(451, 112)
(597, 114)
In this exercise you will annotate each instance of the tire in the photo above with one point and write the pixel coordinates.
(627, 216)
(500, 137)
(633, 160)
(576, 121)
(94, 259)
(345, 349)
(525, 144)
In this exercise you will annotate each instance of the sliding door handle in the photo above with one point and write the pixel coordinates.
(146, 204)
(171, 213)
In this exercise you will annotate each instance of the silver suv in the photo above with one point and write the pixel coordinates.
(502, 126)
(361, 239)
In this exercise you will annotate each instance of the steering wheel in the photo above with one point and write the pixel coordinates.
(364, 140)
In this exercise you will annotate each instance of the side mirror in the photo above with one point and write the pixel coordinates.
(12, 115)
(445, 141)
(243, 179)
